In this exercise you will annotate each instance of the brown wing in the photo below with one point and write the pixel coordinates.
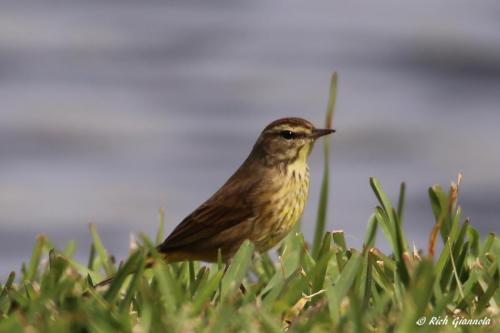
(214, 224)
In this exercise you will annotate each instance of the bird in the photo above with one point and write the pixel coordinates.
(260, 202)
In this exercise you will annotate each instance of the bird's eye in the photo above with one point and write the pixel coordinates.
(287, 135)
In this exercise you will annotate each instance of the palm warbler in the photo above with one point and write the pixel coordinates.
(261, 202)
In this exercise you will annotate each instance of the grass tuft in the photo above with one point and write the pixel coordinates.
(339, 289)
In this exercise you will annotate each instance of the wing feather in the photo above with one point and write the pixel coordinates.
(228, 207)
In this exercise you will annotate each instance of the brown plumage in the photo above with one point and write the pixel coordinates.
(273, 179)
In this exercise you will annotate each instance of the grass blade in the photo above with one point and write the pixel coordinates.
(101, 251)
(35, 258)
(160, 233)
(323, 201)
(237, 269)
(337, 292)
(131, 266)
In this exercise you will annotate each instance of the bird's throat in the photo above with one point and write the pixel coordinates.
(298, 170)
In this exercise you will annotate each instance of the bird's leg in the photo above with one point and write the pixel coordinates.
(226, 267)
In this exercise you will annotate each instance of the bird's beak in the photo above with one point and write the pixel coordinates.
(318, 132)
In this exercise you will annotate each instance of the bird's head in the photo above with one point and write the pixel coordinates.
(288, 140)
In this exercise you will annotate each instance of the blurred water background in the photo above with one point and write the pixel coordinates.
(110, 110)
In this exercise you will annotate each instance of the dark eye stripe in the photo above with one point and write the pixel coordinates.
(288, 135)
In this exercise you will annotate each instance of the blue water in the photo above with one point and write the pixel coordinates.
(110, 110)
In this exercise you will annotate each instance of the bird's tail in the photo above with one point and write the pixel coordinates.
(104, 282)
(108, 280)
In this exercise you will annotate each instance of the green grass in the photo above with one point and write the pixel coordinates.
(338, 289)
(321, 287)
